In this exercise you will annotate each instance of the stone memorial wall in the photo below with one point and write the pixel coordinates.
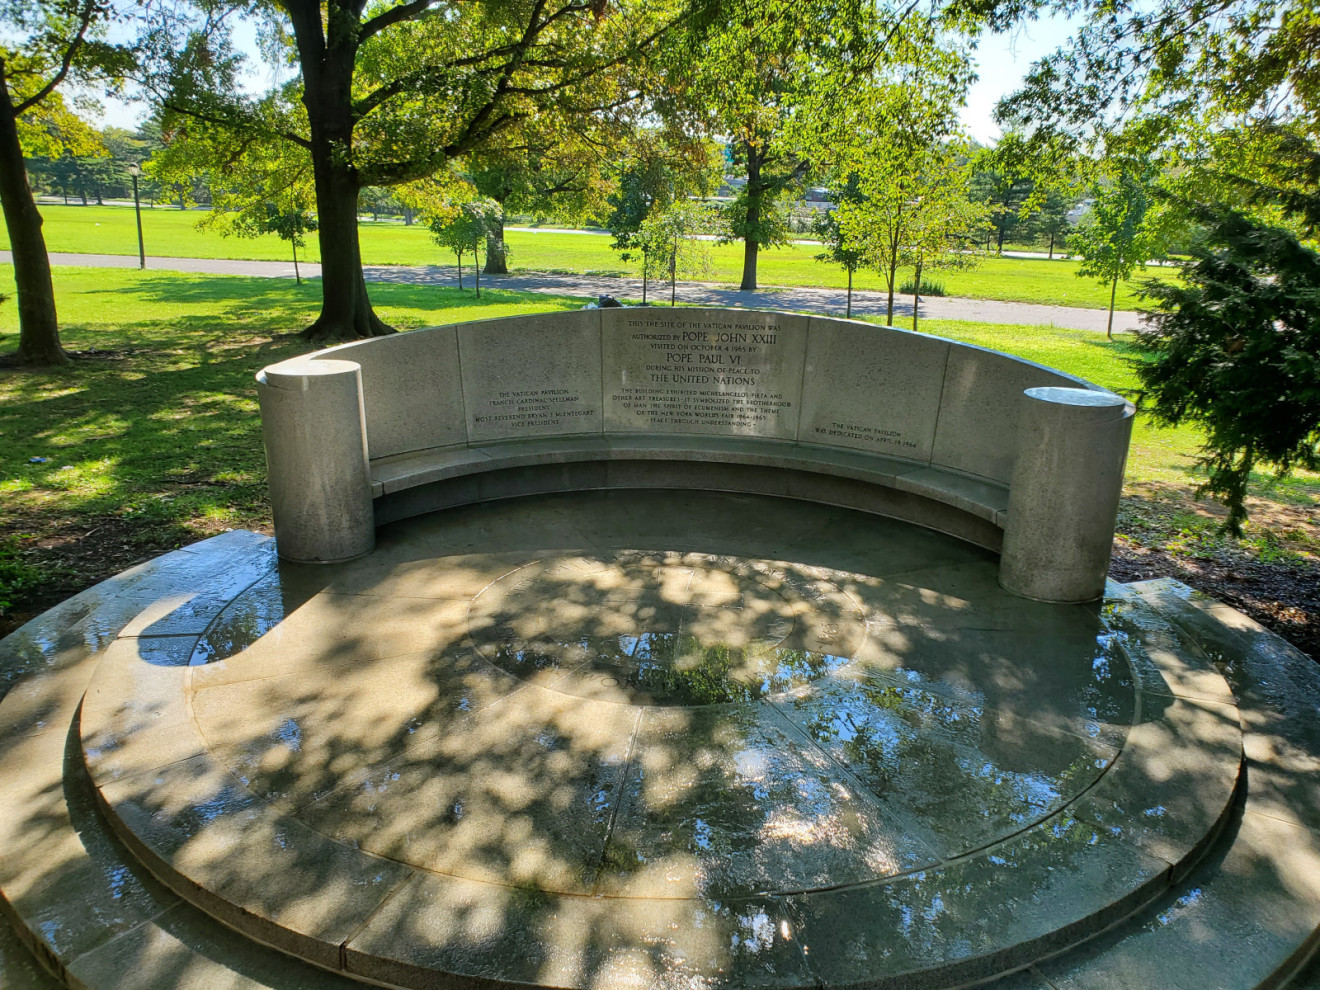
(803, 406)
(523, 379)
(701, 372)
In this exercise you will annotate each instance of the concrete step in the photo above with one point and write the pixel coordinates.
(1243, 916)
(1249, 914)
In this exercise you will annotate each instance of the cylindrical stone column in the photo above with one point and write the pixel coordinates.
(313, 424)
(1063, 497)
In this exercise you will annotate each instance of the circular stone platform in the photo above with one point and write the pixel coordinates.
(661, 739)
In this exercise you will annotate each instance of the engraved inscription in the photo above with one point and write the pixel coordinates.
(871, 388)
(540, 408)
(532, 377)
(853, 431)
(716, 376)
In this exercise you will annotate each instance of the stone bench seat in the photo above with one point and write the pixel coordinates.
(977, 497)
(1010, 455)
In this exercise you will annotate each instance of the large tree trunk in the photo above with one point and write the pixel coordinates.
(38, 328)
(751, 252)
(346, 311)
(755, 199)
(496, 261)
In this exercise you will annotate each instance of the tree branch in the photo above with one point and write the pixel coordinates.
(394, 15)
(70, 53)
(228, 122)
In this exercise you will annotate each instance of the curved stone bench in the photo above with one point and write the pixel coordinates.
(1007, 454)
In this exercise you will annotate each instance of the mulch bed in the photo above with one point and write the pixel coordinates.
(1282, 593)
(1284, 599)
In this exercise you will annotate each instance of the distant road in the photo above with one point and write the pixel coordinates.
(824, 301)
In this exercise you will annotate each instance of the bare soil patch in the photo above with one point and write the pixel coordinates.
(1272, 574)
(72, 555)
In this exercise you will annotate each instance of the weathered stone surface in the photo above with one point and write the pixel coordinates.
(1260, 895)
(703, 371)
(413, 389)
(316, 459)
(872, 388)
(511, 937)
(978, 429)
(720, 799)
(531, 376)
(1063, 496)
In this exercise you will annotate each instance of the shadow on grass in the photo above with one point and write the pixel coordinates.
(159, 442)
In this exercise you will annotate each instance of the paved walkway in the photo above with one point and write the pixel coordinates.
(808, 300)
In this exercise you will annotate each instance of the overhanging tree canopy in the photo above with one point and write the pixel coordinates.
(44, 45)
(389, 93)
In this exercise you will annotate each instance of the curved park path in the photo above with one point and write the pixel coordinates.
(807, 300)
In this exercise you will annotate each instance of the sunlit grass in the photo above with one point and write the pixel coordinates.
(164, 427)
(172, 233)
(158, 436)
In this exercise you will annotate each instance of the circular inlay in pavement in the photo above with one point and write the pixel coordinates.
(666, 629)
(826, 745)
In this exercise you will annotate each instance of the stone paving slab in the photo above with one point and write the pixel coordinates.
(19, 969)
(547, 795)
(979, 916)
(66, 882)
(1248, 914)
(1265, 857)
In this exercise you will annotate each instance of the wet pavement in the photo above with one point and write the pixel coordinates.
(659, 739)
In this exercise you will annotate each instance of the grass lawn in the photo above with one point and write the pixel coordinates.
(172, 233)
(152, 440)
(156, 442)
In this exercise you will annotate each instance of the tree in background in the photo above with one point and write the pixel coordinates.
(1236, 349)
(388, 94)
(906, 166)
(652, 173)
(48, 44)
(1002, 180)
(463, 228)
(557, 174)
(680, 233)
(87, 176)
(763, 78)
(378, 202)
(840, 248)
(289, 221)
(944, 223)
(1209, 89)
(257, 189)
(1050, 223)
(1122, 231)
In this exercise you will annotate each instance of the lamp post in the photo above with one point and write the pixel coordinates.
(134, 169)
